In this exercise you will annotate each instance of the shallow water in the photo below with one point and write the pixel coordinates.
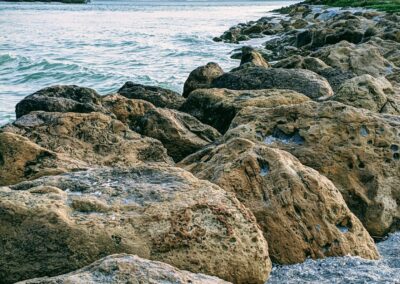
(105, 43)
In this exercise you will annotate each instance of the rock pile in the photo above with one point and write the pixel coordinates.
(295, 154)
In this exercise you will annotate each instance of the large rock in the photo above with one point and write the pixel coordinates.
(356, 149)
(370, 93)
(301, 212)
(61, 98)
(21, 159)
(251, 58)
(159, 97)
(217, 107)
(125, 268)
(94, 138)
(302, 81)
(360, 59)
(58, 224)
(180, 133)
(202, 77)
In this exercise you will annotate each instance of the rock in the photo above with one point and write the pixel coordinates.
(54, 225)
(356, 149)
(217, 107)
(61, 98)
(303, 81)
(159, 97)
(202, 77)
(94, 138)
(126, 268)
(390, 50)
(360, 59)
(180, 133)
(366, 92)
(21, 159)
(301, 213)
(252, 58)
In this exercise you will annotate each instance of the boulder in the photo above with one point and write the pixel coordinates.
(367, 92)
(303, 81)
(301, 212)
(217, 107)
(54, 225)
(360, 59)
(94, 138)
(126, 268)
(159, 97)
(202, 77)
(21, 159)
(180, 133)
(252, 58)
(61, 98)
(356, 149)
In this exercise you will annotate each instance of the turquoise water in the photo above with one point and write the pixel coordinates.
(105, 43)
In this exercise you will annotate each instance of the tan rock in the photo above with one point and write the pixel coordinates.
(126, 268)
(94, 138)
(58, 224)
(356, 149)
(21, 159)
(367, 92)
(251, 58)
(217, 107)
(301, 212)
(179, 132)
(202, 77)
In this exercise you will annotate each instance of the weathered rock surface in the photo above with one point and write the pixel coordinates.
(375, 94)
(217, 107)
(202, 77)
(303, 81)
(251, 58)
(94, 138)
(58, 224)
(61, 98)
(125, 268)
(21, 159)
(301, 212)
(359, 59)
(356, 149)
(159, 97)
(180, 133)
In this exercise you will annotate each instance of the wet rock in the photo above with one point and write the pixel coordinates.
(126, 268)
(61, 98)
(301, 212)
(217, 107)
(180, 133)
(94, 138)
(367, 92)
(202, 77)
(159, 97)
(54, 225)
(303, 81)
(21, 159)
(356, 149)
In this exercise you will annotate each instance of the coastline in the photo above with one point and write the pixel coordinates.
(289, 158)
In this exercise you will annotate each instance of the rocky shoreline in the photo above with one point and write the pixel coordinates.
(293, 155)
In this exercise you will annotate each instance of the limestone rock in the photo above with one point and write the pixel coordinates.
(356, 149)
(367, 92)
(21, 159)
(301, 212)
(159, 97)
(217, 107)
(125, 268)
(360, 59)
(94, 138)
(202, 77)
(54, 225)
(61, 98)
(303, 81)
(180, 133)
